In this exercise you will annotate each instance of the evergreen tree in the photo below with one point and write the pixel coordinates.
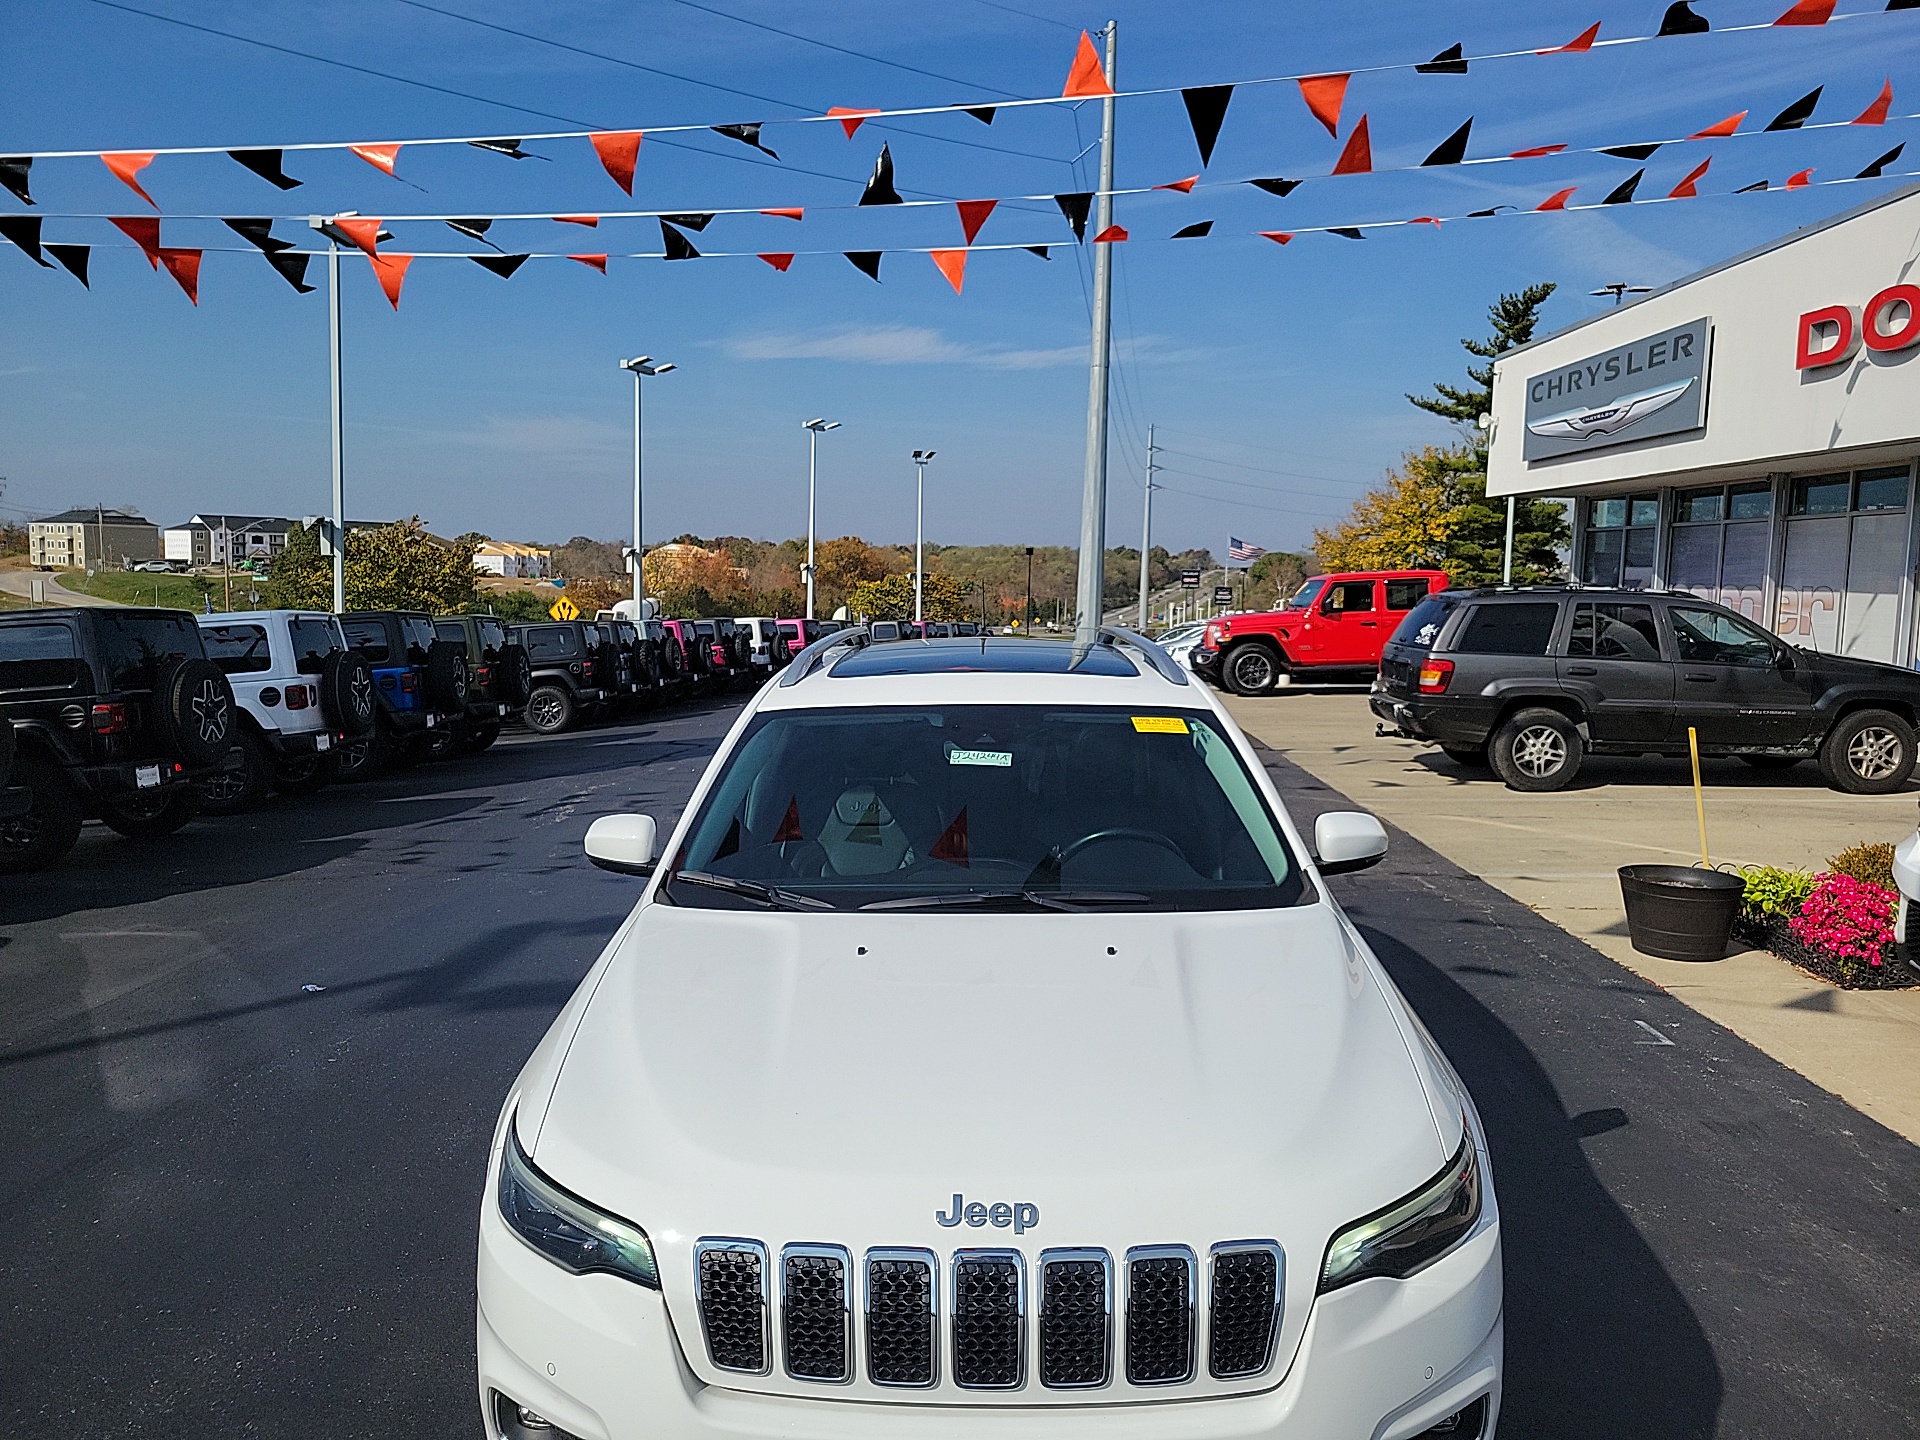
(1514, 318)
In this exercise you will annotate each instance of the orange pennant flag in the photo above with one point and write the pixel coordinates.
(144, 231)
(1279, 237)
(1325, 94)
(1719, 132)
(1579, 45)
(381, 157)
(1808, 12)
(590, 221)
(362, 231)
(778, 262)
(1557, 200)
(1088, 78)
(1109, 236)
(598, 262)
(1425, 220)
(184, 266)
(1536, 152)
(850, 120)
(1185, 187)
(953, 265)
(1357, 158)
(795, 212)
(127, 165)
(391, 271)
(619, 152)
(1799, 180)
(973, 214)
(1876, 113)
(1684, 190)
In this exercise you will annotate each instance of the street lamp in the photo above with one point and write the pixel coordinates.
(920, 459)
(1026, 620)
(640, 365)
(814, 428)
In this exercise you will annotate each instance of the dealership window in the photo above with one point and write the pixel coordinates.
(1722, 535)
(1846, 561)
(1620, 541)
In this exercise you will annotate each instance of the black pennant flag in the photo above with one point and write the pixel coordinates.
(265, 164)
(1206, 109)
(1453, 149)
(1798, 113)
(1872, 172)
(678, 246)
(1623, 192)
(74, 259)
(1749, 189)
(690, 222)
(1197, 231)
(473, 230)
(867, 262)
(1903, 4)
(258, 233)
(14, 170)
(880, 189)
(509, 148)
(1631, 152)
(1346, 232)
(24, 231)
(746, 135)
(1449, 61)
(1274, 185)
(982, 113)
(1039, 250)
(1488, 214)
(501, 265)
(293, 270)
(1680, 20)
(1075, 208)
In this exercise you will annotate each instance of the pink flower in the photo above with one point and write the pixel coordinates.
(1847, 917)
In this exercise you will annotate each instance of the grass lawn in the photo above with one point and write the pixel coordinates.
(176, 592)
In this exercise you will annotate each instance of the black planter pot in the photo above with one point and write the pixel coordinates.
(1680, 912)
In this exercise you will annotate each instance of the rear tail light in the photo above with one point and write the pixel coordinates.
(409, 682)
(110, 719)
(297, 697)
(1435, 676)
(485, 672)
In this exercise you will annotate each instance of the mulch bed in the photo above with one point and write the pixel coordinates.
(1846, 971)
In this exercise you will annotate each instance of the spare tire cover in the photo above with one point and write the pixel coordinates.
(346, 692)
(606, 656)
(514, 674)
(7, 748)
(196, 711)
(446, 675)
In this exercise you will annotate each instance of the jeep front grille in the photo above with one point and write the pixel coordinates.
(902, 1317)
(989, 1319)
(733, 1303)
(1076, 1318)
(1160, 1285)
(816, 1312)
(1246, 1294)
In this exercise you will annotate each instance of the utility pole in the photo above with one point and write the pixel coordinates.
(1026, 618)
(226, 560)
(339, 431)
(1146, 533)
(1093, 499)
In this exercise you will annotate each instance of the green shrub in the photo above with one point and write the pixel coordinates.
(1871, 863)
(1774, 891)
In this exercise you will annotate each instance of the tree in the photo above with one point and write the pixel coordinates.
(1403, 524)
(891, 598)
(1275, 576)
(1514, 318)
(516, 607)
(389, 567)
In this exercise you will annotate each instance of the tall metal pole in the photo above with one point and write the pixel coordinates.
(1506, 568)
(339, 472)
(919, 534)
(1093, 499)
(639, 556)
(1146, 531)
(1026, 620)
(813, 455)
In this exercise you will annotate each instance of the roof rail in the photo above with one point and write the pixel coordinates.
(1116, 638)
(814, 656)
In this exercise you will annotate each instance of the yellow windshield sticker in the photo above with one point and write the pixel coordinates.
(1159, 724)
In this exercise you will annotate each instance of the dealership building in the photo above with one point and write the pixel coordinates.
(1748, 434)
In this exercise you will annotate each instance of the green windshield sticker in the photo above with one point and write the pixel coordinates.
(999, 758)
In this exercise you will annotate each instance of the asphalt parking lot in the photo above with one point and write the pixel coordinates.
(236, 1205)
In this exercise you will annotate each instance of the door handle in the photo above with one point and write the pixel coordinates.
(1701, 679)
(1371, 624)
(1582, 670)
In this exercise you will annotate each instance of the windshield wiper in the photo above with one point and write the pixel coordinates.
(1074, 902)
(752, 890)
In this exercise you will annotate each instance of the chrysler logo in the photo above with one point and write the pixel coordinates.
(1609, 419)
(1022, 1216)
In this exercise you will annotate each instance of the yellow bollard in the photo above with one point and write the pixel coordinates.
(1699, 799)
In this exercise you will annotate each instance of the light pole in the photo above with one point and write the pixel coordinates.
(1026, 620)
(920, 459)
(814, 428)
(640, 365)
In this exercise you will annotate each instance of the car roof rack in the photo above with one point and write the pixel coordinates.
(1116, 638)
(814, 656)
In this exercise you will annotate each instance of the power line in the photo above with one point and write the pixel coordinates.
(1257, 469)
(1028, 14)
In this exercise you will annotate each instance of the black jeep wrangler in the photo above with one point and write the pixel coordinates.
(115, 713)
(499, 680)
(566, 690)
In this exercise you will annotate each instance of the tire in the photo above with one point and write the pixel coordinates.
(446, 741)
(48, 830)
(194, 706)
(305, 774)
(446, 672)
(346, 693)
(513, 675)
(480, 738)
(153, 818)
(550, 710)
(1773, 762)
(228, 792)
(1250, 669)
(1869, 752)
(1537, 750)
(1474, 757)
(365, 756)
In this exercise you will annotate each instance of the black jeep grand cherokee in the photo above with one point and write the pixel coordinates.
(1530, 681)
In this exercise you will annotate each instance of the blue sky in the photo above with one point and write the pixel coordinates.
(1276, 375)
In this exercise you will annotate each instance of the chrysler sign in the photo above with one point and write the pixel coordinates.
(1649, 389)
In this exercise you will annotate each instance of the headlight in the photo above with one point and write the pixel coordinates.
(565, 1228)
(1406, 1235)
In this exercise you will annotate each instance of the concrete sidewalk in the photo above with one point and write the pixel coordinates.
(1558, 854)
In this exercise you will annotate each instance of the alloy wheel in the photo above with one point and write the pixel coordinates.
(211, 713)
(544, 712)
(1874, 754)
(1253, 669)
(1539, 751)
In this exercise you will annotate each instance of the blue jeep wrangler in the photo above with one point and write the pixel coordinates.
(419, 680)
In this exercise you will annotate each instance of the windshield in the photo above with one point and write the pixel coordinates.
(1304, 597)
(1423, 623)
(988, 804)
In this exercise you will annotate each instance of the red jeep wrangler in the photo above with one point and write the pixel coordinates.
(1333, 624)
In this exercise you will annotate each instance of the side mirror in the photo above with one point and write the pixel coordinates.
(1783, 660)
(1347, 840)
(623, 844)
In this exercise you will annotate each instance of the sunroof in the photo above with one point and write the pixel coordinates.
(995, 657)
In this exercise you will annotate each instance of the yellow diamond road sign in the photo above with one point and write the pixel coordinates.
(564, 609)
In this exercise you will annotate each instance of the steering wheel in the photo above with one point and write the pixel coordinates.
(1060, 854)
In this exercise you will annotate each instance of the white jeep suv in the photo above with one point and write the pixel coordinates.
(985, 1054)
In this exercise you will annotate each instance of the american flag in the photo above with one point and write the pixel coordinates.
(1239, 552)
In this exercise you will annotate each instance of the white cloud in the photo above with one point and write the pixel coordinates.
(896, 345)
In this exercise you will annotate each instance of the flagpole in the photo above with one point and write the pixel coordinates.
(1093, 500)
(1146, 532)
